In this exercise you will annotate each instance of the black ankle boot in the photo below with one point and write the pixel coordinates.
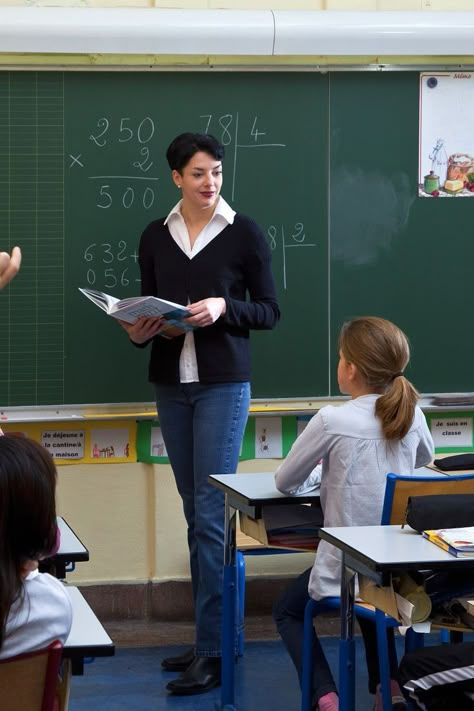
(179, 663)
(203, 674)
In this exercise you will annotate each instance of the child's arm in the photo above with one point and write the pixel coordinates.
(425, 449)
(308, 449)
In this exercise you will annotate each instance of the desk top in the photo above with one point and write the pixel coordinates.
(71, 547)
(258, 488)
(250, 492)
(388, 548)
(87, 637)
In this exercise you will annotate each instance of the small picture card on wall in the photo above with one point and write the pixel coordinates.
(268, 438)
(110, 443)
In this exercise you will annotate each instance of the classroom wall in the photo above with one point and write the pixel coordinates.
(129, 515)
(130, 518)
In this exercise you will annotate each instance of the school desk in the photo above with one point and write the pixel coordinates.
(247, 493)
(87, 637)
(377, 552)
(71, 550)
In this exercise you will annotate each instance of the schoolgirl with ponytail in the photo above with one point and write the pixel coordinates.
(379, 430)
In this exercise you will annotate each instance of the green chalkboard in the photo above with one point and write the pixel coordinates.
(394, 254)
(82, 171)
(326, 163)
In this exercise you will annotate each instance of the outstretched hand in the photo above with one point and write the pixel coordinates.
(9, 266)
(206, 312)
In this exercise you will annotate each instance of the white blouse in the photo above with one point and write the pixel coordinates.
(356, 459)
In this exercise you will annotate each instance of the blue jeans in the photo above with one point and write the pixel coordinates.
(203, 426)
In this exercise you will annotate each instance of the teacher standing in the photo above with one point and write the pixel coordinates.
(217, 261)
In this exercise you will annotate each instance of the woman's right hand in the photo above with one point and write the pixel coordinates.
(142, 330)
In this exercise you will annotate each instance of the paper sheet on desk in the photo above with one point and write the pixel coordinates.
(312, 483)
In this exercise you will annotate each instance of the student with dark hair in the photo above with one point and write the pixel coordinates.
(380, 430)
(34, 607)
(441, 677)
(216, 261)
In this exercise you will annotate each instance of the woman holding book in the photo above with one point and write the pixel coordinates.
(217, 262)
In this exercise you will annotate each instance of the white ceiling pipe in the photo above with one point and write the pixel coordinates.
(374, 33)
(157, 31)
(135, 31)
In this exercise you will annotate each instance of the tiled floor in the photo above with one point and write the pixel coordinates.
(265, 681)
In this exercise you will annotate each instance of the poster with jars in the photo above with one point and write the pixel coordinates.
(446, 146)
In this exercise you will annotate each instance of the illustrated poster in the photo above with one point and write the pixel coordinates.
(446, 145)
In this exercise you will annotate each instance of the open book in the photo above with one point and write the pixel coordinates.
(457, 541)
(135, 307)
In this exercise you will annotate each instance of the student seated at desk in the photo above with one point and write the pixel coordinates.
(35, 609)
(379, 430)
(441, 677)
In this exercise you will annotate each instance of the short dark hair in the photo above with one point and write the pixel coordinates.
(183, 147)
(28, 524)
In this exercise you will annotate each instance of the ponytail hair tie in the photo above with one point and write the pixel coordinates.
(397, 375)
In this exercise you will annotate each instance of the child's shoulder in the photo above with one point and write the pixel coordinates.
(355, 418)
(44, 585)
(358, 408)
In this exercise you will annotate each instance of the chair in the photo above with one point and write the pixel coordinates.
(397, 490)
(28, 682)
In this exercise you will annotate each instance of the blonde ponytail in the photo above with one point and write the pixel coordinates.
(396, 408)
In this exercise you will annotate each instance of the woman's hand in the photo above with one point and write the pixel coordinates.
(142, 330)
(206, 312)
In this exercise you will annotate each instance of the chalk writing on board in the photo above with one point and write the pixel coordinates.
(283, 238)
(122, 190)
(226, 129)
(111, 264)
(76, 160)
(123, 131)
(124, 196)
(146, 163)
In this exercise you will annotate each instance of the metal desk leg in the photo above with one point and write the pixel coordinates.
(228, 609)
(347, 649)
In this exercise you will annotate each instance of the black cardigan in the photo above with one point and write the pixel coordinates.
(235, 263)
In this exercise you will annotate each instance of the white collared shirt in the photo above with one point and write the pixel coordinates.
(223, 216)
